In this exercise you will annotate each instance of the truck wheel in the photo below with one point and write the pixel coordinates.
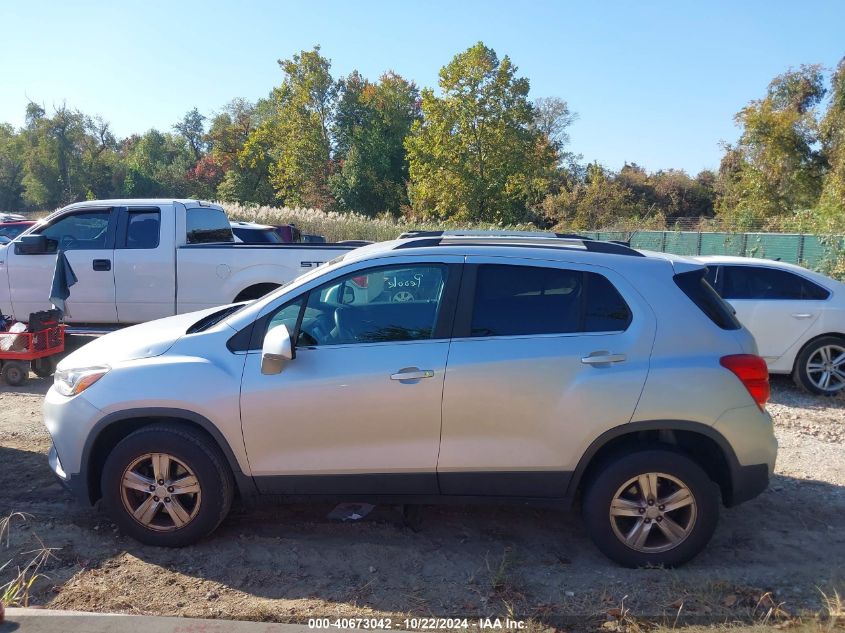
(15, 373)
(167, 485)
(652, 507)
(820, 366)
(44, 367)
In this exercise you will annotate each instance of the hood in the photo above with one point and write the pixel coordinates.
(138, 341)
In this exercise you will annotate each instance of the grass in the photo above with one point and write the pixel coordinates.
(348, 226)
(17, 591)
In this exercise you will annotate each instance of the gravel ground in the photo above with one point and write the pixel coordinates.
(770, 557)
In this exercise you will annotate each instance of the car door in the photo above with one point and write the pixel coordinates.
(777, 306)
(144, 265)
(545, 356)
(87, 238)
(358, 409)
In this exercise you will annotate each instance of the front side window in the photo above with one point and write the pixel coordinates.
(143, 228)
(206, 225)
(85, 230)
(757, 282)
(380, 305)
(525, 300)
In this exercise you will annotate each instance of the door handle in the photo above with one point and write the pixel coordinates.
(603, 358)
(802, 315)
(102, 264)
(412, 373)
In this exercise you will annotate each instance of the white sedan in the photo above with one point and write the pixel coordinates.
(796, 315)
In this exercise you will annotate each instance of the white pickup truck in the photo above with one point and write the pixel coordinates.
(138, 260)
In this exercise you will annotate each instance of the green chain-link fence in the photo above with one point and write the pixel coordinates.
(806, 250)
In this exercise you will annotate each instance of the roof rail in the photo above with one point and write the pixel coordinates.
(422, 239)
(491, 233)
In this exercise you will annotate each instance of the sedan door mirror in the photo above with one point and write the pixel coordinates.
(32, 245)
(276, 350)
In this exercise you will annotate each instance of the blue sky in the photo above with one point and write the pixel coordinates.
(656, 83)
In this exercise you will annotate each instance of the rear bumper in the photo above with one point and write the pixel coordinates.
(747, 482)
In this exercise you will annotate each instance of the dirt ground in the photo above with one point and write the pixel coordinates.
(770, 557)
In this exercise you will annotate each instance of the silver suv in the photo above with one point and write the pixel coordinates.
(440, 367)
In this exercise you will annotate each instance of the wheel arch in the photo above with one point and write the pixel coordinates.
(705, 445)
(810, 341)
(110, 430)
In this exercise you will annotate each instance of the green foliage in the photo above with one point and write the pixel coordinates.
(832, 199)
(295, 136)
(476, 154)
(370, 128)
(776, 167)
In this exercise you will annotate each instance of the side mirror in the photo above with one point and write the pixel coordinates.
(32, 245)
(276, 350)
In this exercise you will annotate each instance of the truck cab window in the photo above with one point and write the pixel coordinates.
(207, 225)
(86, 230)
(143, 228)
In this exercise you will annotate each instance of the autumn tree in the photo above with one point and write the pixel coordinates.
(476, 154)
(295, 138)
(371, 124)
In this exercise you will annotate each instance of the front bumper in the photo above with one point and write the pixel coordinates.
(70, 422)
(74, 484)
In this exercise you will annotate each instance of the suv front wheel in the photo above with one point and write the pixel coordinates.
(167, 485)
(653, 507)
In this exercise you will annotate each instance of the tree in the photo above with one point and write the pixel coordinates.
(552, 117)
(776, 167)
(11, 169)
(157, 165)
(371, 124)
(476, 154)
(296, 136)
(192, 129)
(832, 200)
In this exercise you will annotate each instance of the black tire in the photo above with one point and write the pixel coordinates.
(193, 449)
(44, 367)
(800, 374)
(15, 373)
(615, 473)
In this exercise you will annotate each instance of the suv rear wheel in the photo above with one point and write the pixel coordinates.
(652, 507)
(167, 486)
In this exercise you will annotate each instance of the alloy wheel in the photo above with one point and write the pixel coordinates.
(653, 512)
(160, 492)
(826, 368)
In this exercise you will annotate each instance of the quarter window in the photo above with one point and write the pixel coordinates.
(759, 282)
(523, 300)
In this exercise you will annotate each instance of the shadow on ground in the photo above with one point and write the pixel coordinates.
(276, 562)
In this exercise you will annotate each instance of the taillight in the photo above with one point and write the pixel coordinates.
(752, 372)
(361, 281)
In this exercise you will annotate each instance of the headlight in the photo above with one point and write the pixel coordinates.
(70, 382)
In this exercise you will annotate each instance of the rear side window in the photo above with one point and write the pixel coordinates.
(759, 282)
(695, 286)
(143, 228)
(206, 225)
(257, 236)
(525, 300)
